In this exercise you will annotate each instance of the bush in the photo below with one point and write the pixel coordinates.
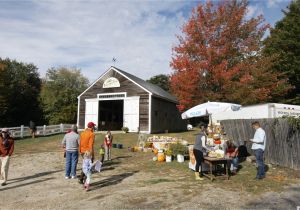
(125, 129)
(169, 152)
(178, 149)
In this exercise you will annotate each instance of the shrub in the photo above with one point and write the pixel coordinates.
(178, 149)
(125, 129)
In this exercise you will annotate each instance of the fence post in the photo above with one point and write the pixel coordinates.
(44, 130)
(22, 131)
(61, 127)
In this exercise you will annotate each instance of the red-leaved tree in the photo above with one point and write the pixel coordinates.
(219, 58)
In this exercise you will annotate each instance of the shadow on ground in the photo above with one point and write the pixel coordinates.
(290, 199)
(11, 181)
(122, 157)
(113, 180)
(25, 184)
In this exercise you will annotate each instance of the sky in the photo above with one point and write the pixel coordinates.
(88, 34)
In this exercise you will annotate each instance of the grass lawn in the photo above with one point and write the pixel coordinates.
(277, 177)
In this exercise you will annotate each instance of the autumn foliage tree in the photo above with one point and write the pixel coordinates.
(219, 58)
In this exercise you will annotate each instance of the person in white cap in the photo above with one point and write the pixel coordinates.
(6, 150)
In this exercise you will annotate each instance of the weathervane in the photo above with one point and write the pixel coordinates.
(114, 60)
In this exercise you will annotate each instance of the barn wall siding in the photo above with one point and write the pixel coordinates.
(165, 117)
(283, 141)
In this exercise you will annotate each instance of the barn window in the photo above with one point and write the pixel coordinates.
(111, 96)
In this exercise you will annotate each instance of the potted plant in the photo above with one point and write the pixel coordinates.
(169, 155)
(179, 151)
(125, 129)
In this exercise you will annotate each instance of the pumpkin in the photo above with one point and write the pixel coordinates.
(155, 151)
(161, 157)
(217, 141)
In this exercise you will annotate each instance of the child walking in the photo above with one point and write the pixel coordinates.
(87, 169)
(101, 153)
(107, 145)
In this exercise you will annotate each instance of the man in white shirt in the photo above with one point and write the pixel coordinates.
(258, 146)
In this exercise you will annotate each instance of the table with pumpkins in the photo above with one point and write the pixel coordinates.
(165, 148)
(215, 164)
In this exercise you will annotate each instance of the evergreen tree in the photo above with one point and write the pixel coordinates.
(284, 43)
(161, 80)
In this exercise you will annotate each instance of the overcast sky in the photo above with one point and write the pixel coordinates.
(89, 34)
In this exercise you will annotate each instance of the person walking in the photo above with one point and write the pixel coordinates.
(71, 143)
(258, 146)
(87, 169)
(199, 146)
(87, 138)
(6, 150)
(108, 145)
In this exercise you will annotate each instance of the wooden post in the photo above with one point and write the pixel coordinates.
(61, 127)
(22, 131)
(44, 130)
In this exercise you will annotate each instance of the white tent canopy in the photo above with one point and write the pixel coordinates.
(209, 108)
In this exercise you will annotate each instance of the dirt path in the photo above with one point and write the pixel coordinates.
(36, 181)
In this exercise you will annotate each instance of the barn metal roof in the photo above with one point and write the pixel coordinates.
(154, 89)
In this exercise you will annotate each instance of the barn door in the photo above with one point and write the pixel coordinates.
(91, 112)
(131, 113)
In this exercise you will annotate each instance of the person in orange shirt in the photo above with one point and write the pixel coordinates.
(87, 139)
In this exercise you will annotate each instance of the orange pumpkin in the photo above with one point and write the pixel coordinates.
(217, 141)
(161, 157)
(155, 151)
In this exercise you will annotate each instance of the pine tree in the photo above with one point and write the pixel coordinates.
(284, 43)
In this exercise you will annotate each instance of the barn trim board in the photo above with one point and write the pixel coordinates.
(137, 98)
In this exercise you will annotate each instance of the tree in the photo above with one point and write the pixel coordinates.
(218, 58)
(59, 94)
(19, 93)
(284, 42)
(161, 80)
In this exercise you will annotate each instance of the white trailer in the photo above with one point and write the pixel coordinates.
(259, 111)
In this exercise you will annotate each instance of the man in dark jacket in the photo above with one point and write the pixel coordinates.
(6, 150)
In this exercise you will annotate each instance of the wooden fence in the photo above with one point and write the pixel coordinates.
(23, 131)
(283, 141)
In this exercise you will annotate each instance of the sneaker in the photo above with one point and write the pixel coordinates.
(67, 177)
(73, 177)
(3, 184)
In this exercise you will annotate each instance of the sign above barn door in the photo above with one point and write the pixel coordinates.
(111, 83)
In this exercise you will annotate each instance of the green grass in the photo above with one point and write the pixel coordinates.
(156, 181)
(40, 144)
